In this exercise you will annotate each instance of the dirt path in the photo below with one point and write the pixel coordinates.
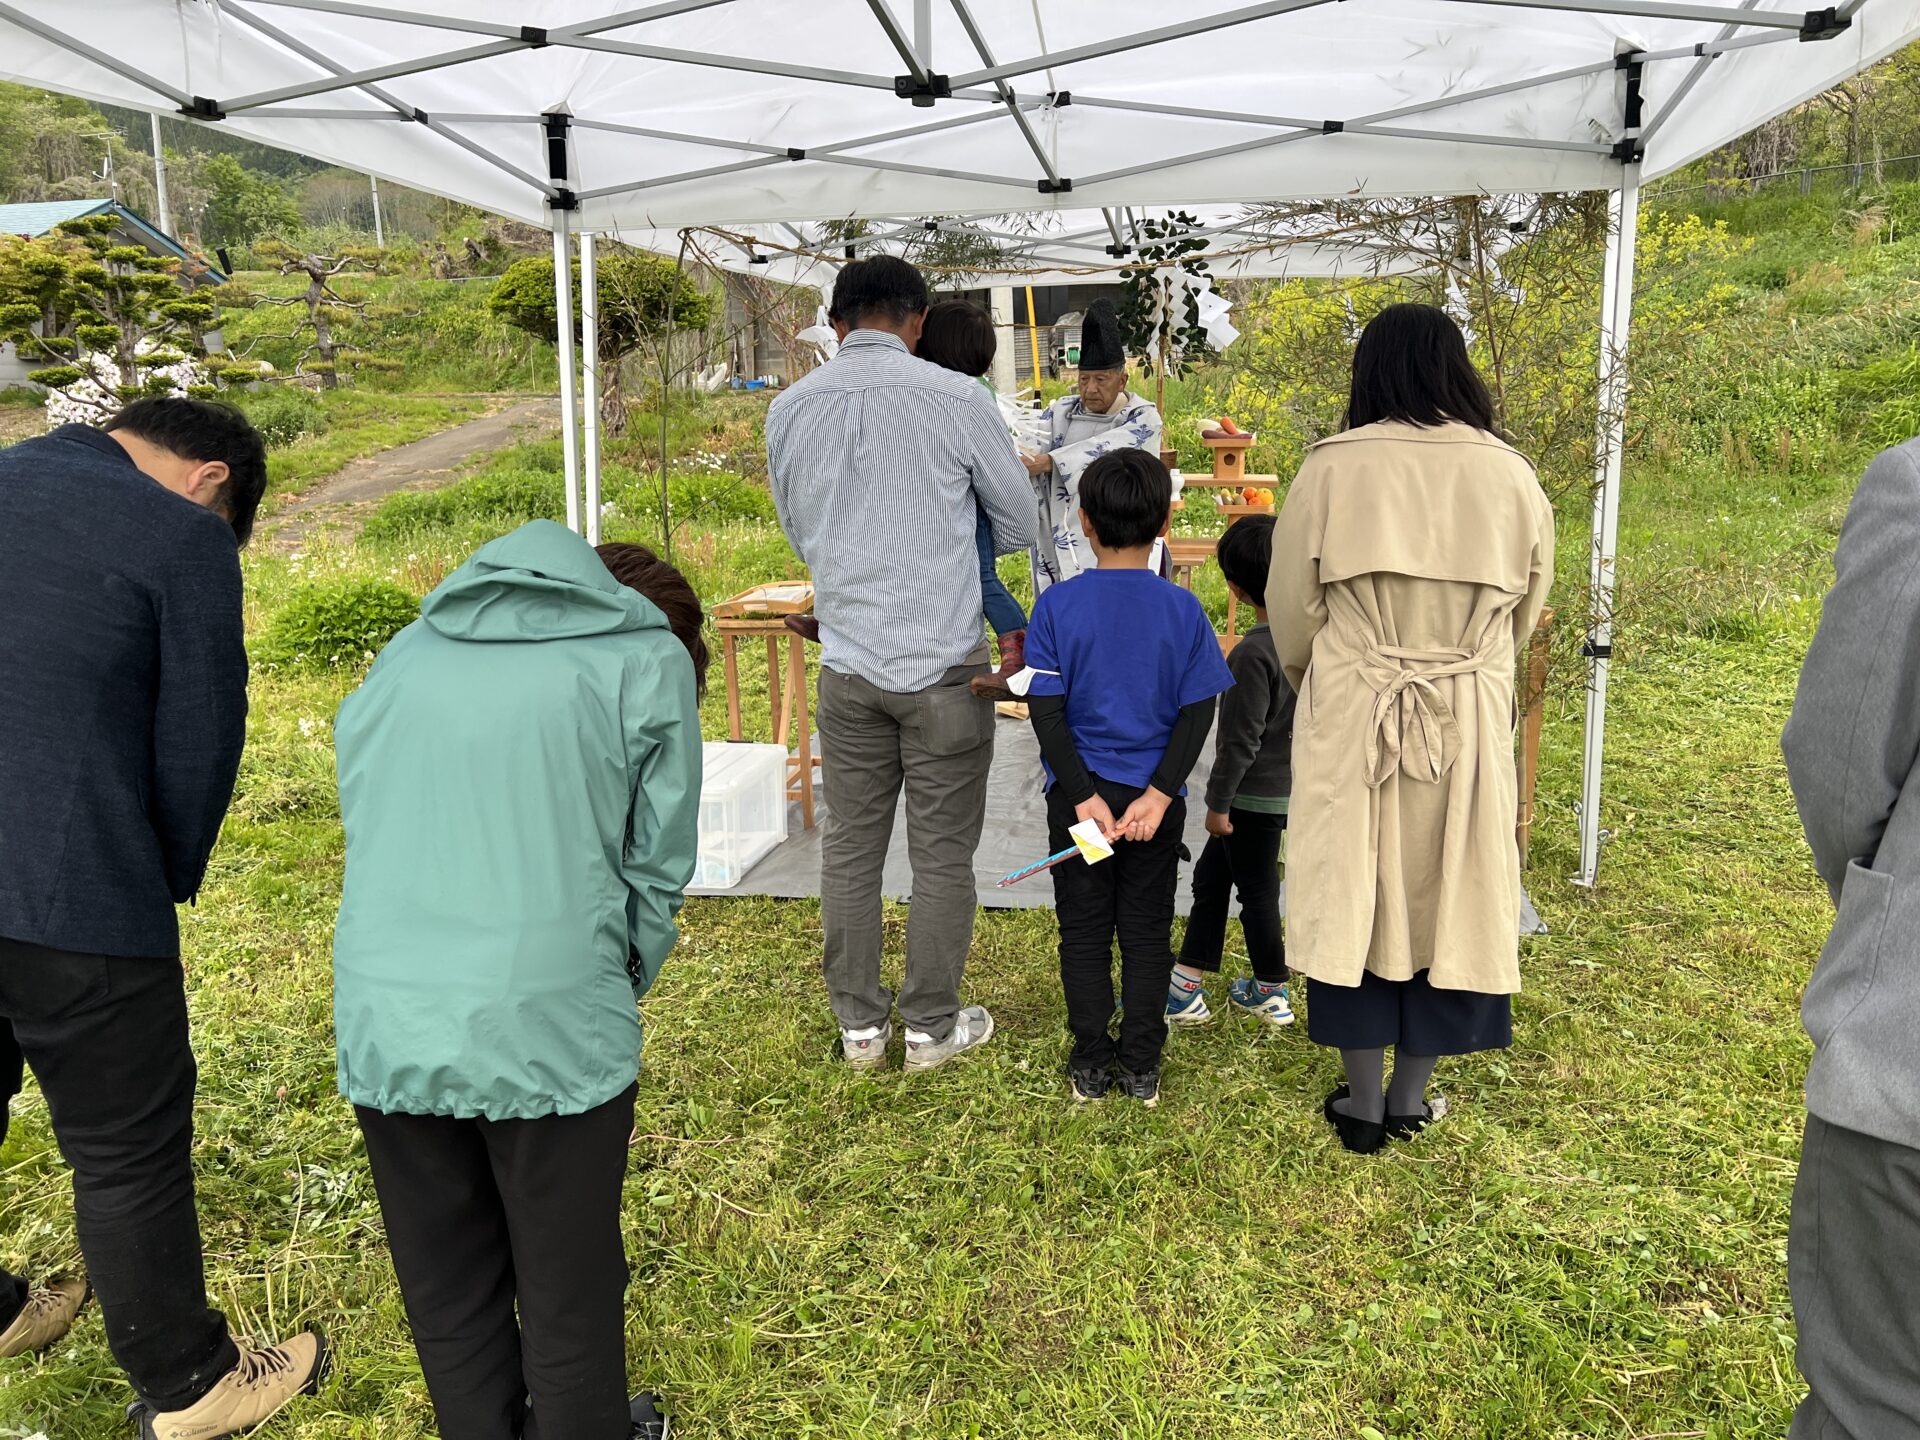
(345, 497)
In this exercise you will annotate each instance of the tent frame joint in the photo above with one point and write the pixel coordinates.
(1060, 99)
(1824, 24)
(794, 152)
(923, 90)
(1062, 186)
(535, 36)
(563, 199)
(1628, 152)
(1332, 127)
(203, 108)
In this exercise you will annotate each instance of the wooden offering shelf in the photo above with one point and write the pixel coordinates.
(760, 614)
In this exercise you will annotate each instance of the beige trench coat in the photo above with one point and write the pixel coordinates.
(1409, 565)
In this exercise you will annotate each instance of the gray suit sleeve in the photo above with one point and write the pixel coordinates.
(1854, 736)
(1000, 481)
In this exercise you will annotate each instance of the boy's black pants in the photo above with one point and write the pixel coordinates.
(1248, 861)
(484, 1216)
(1129, 897)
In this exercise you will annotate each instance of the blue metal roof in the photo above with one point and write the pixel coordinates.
(38, 217)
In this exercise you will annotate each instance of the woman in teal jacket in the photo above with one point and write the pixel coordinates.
(520, 783)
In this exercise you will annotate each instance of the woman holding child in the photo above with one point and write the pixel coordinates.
(1410, 562)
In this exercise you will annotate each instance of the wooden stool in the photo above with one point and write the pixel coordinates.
(760, 614)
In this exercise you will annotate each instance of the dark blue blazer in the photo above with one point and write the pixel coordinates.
(123, 696)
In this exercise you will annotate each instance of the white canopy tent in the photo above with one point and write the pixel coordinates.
(585, 118)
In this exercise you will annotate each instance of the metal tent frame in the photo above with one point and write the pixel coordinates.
(338, 100)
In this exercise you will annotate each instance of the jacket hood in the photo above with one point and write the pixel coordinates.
(542, 582)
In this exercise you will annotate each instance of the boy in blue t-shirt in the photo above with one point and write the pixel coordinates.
(1123, 673)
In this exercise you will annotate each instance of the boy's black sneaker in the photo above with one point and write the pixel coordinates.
(1144, 1087)
(649, 1423)
(1090, 1082)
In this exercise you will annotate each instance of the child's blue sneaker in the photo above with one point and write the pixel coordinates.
(1269, 1003)
(1187, 1003)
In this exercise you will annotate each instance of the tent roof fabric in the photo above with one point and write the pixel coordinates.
(693, 112)
(1059, 247)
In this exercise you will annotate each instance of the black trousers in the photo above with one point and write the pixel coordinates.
(1129, 897)
(107, 1039)
(486, 1215)
(1248, 861)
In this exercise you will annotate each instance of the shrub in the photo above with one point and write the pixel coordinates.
(283, 413)
(501, 499)
(337, 626)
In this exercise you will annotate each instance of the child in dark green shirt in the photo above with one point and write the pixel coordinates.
(1246, 808)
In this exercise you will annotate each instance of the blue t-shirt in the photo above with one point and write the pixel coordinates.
(1129, 651)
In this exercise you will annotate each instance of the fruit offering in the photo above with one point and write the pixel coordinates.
(1255, 495)
(1224, 429)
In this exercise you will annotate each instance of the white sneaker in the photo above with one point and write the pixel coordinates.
(972, 1028)
(866, 1049)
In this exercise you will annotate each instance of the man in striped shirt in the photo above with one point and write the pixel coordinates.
(881, 465)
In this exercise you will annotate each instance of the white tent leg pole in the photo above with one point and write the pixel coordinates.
(1615, 324)
(590, 370)
(165, 216)
(563, 336)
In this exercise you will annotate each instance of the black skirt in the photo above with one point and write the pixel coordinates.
(1409, 1014)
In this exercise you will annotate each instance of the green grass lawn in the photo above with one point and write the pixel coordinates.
(1593, 1245)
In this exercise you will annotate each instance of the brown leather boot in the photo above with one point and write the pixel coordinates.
(44, 1319)
(1013, 659)
(263, 1384)
(805, 626)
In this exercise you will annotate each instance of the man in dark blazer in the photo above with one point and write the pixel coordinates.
(123, 702)
(1853, 754)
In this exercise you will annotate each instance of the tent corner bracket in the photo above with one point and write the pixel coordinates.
(1061, 186)
(202, 108)
(1825, 24)
(923, 90)
(563, 199)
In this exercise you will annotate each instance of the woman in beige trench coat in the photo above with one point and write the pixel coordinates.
(1410, 562)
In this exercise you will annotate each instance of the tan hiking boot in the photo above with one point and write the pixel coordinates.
(44, 1319)
(263, 1384)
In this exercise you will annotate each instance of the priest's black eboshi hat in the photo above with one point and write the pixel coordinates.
(1100, 345)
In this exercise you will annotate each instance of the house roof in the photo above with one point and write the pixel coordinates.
(35, 218)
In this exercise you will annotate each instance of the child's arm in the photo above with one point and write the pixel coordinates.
(1047, 709)
(1202, 682)
(1143, 817)
(1243, 724)
(1049, 716)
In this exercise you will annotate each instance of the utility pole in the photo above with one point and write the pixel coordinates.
(379, 231)
(165, 217)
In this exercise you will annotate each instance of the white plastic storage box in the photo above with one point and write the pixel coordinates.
(743, 810)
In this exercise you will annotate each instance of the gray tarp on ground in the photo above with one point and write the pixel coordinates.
(1015, 835)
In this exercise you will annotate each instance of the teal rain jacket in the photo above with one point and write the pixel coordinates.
(520, 784)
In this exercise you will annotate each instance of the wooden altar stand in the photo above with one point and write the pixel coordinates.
(761, 614)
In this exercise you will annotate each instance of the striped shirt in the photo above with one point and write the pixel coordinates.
(881, 464)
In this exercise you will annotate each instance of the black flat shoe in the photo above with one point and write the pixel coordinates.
(1362, 1137)
(1405, 1127)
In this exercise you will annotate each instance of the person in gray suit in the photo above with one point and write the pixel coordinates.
(1853, 755)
